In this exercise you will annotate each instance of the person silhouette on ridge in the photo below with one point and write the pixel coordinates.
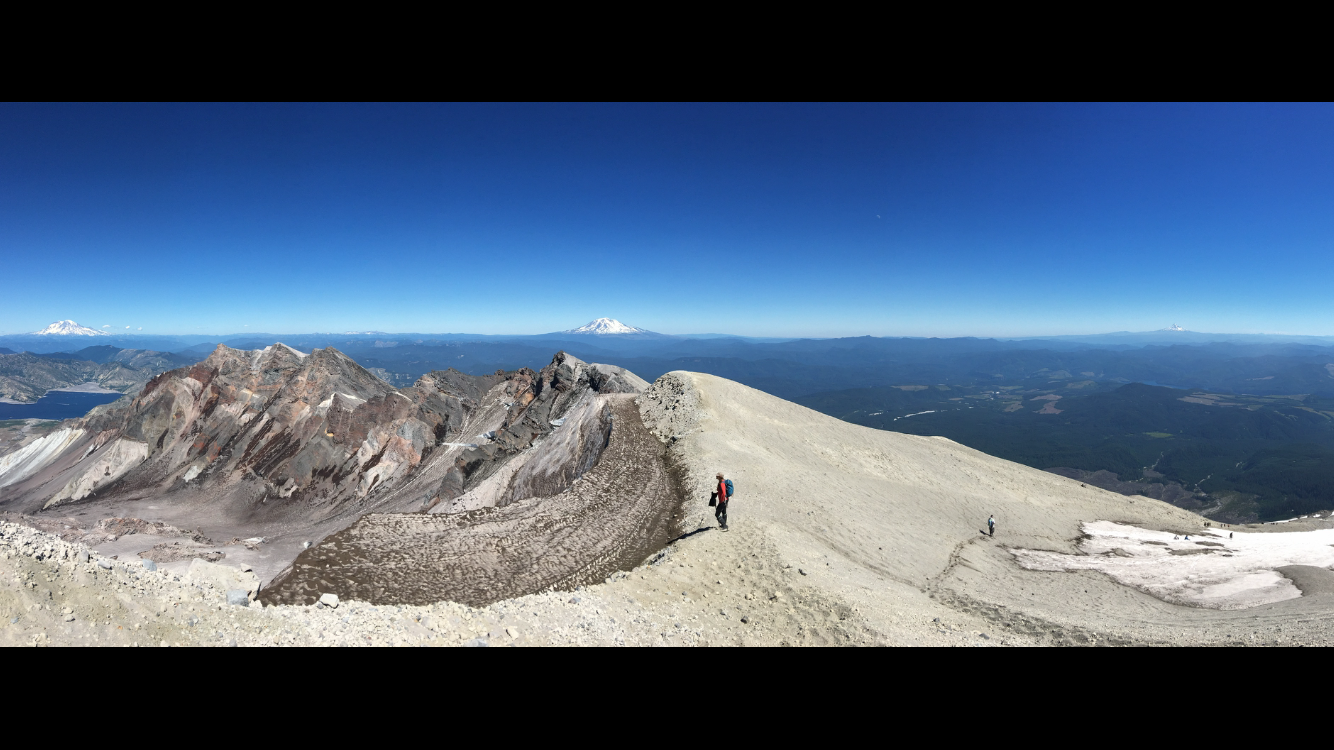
(991, 525)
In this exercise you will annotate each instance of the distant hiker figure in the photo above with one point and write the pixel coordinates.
(991, 525)
(719, 499)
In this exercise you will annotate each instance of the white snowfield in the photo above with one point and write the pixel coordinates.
(69, 328)
(1209, 570)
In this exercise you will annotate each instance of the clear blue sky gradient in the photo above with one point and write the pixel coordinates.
(811, 220)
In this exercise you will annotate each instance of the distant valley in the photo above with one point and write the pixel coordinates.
(1230, 457)
(1242, 433)
(26, 377)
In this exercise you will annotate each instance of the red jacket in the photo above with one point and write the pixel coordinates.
(722, 491)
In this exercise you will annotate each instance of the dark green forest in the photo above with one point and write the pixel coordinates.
(1235, 458)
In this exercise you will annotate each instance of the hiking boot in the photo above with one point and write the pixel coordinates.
(724, 528)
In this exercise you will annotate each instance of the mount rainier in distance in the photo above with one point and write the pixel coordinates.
(611, 327)
(68, 328)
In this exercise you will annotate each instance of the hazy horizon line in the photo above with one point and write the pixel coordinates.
(235, 334)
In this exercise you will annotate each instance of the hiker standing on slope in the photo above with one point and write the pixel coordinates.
(720, 495)
(991, 525)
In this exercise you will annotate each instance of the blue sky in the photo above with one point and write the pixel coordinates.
(814, 220)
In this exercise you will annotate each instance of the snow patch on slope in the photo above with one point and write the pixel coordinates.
(326, 403)
(1216, 569)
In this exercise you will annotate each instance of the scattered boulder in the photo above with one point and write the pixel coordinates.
(238, 597)
(172, 551)
(223, 577)
(329, 600)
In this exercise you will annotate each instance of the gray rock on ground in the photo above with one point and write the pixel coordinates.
(223, 577)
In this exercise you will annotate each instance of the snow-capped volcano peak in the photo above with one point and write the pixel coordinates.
(605, 326)
(69, 328)
(1173, 327)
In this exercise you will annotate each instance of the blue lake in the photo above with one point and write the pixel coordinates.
(57, 406)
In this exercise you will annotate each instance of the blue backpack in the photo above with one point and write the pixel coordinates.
(728, 482)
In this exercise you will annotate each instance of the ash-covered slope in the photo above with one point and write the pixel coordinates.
(886, 528)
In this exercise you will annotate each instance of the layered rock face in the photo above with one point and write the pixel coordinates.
(320, 428)
(282, 449)
(567, 401)
(316, 423)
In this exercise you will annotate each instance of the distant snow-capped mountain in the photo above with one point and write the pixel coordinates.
(1173, 327)
(68, 328)
(603, 326)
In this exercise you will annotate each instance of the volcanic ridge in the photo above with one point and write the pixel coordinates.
(568, 506)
